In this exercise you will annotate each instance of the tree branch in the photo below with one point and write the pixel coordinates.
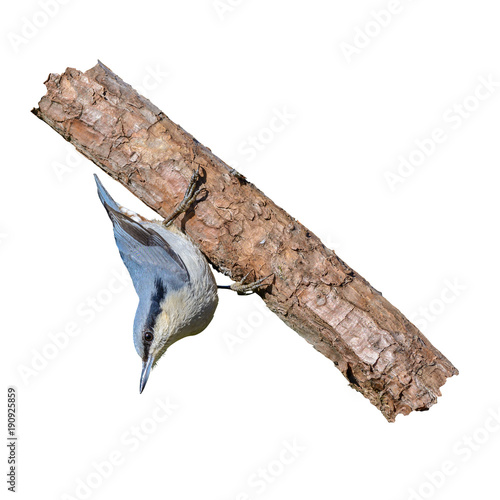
(239, 229)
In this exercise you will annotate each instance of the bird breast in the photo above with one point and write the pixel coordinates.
(190, 308)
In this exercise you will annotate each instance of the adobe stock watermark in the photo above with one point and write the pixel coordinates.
(72, 160)
(266, 475)
(224, 7)
(453, 118)
(367, 32)
(152, 79)
(86, 312)
(249, 148)
(426, 315)
(246, 326)
(463, 450)
(332, 242)
(33, 24)
(130, 441)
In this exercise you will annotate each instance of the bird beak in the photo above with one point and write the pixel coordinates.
(146, 369)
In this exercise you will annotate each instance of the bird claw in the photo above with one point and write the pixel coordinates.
(189, 197)
(245, 289)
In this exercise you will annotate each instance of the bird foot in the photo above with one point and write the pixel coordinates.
(189, 198)
(242, 288)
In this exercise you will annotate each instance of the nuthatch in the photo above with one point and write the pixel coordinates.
(176, 287)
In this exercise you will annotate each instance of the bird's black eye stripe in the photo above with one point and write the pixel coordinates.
(148, 337)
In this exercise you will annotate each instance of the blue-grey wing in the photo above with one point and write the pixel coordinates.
(144, 252)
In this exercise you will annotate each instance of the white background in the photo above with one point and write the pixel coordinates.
(248, 384)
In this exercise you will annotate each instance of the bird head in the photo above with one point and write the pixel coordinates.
(161, 320)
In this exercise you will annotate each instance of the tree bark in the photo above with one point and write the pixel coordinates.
(383, 356)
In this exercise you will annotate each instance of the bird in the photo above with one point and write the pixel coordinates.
(176, 287)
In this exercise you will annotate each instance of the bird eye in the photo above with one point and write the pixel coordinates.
(148, 336)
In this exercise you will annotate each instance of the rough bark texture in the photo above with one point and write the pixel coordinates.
(239, 229)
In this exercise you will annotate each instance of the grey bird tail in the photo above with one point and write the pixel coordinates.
(105, 197)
